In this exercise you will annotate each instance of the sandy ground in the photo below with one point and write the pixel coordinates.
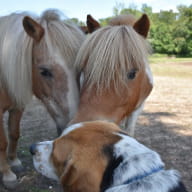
(165, 126)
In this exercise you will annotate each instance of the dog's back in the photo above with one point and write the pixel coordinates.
(139, 169)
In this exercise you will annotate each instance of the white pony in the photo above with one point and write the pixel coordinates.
(36, 57)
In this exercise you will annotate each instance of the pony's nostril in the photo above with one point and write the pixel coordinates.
(32, 149)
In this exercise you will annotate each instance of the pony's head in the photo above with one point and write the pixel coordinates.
(116, 75)
(55, 46)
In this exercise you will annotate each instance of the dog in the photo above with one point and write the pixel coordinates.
(99, 157)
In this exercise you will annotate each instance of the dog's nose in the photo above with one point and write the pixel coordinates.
(32, 149)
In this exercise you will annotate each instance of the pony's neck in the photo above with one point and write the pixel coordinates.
(90, 115)
(88, 112)
(99, 106)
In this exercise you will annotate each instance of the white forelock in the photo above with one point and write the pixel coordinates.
(108, 54)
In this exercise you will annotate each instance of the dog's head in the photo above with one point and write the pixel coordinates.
(97, 157)
(79, 157)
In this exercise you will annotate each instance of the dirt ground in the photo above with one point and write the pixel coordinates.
(165, 126)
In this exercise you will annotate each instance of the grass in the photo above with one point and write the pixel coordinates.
(171, 66)
(165, 59)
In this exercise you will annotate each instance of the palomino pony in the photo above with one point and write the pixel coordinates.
(116, 78)
(35, 58)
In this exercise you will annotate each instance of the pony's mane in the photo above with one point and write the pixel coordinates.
(123, 20)
(109, 53)
(62, 35)
(16, 50)
(15, 58)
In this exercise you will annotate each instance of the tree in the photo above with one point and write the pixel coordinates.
(147, 9)
(76, 21)
(118, 8)
(161, 39)
(170, 32)
(182, 31)
(105, 21)
(132, 9)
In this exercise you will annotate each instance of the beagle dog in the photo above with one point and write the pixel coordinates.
(98, 156)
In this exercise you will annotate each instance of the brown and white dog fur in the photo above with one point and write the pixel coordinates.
(98, 156)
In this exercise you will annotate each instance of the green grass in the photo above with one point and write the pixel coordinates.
(171, 67)
(164, 59)
(172, 71)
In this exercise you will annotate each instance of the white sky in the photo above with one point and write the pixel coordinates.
(79, 9)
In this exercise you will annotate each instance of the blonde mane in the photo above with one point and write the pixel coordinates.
(123, 20)
(109, 53)
(62, 35)
(16, 50)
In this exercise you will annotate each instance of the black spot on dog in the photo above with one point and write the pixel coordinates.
(179, 188)
(113, 163)
(124, 166)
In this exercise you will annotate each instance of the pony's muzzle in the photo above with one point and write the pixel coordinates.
(33, 149)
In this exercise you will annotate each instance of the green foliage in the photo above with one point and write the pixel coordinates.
(161, 39)
(147, 9)
(132, 9)
(76, 21)
(104, 22)
(182, 31)
(117, 9)
(170, 33)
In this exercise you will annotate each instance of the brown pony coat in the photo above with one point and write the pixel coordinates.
(36, 58)
(106, 92)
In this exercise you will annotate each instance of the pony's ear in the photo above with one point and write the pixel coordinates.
(84, 29)
(142, 25)
(92, 24)
(33, 29)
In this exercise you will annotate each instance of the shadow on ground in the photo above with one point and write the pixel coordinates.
(175, 149)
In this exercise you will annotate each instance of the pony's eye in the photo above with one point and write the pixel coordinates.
(132, 74)
(45, 72)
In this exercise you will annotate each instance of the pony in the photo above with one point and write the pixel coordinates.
(114, 71)
(36, 57)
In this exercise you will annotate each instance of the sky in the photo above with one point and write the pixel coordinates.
(79, 9)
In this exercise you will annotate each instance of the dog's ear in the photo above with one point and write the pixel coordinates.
(69, 174)
(63, 160)
(61, 155)
(92, 24)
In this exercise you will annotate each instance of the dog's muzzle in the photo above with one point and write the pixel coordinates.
(42, 159)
